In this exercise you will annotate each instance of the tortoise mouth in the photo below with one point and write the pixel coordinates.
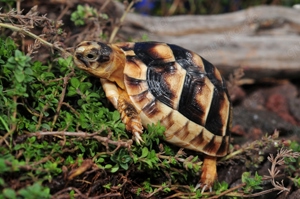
(81, 59)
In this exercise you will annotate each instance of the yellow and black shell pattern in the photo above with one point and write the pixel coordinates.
(183, 91)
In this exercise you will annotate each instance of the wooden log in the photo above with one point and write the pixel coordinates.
(256, 17)
(263, 40)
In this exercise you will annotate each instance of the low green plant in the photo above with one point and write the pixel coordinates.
(33, 191)
(32, 100)
(38, 101)
(252, 183)
(84, 13)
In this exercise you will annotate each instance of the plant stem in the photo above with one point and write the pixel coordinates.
(25, 32)
(116, 29)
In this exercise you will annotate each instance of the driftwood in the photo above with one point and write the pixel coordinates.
(263, 40)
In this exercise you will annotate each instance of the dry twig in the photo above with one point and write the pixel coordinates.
(279, 160)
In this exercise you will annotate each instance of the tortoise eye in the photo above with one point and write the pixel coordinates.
(90, 56)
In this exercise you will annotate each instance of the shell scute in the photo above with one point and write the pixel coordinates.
(136, 86)
(154, 53)
(196, 99)
(198, 140)
(154, 111)
(161, 84)
(142, 99)
(135, 68)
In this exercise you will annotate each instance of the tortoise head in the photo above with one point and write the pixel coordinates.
(95, 58)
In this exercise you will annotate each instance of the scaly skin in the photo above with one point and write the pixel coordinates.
(130, 117)
(209, 173)
(110, 72)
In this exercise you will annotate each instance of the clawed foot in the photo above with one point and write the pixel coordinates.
(130, 117)
(209, 174)
(204, 187)
(137, 137)
(135, 126)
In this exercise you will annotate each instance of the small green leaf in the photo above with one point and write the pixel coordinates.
(72, 194)
(116, 115)
(220, 187)
(75, 82)
(124, 166)
(18, 53)
(9, 193)
(28, 71)
(149, 163)
(100, 160)
(245, 176)
(46, 126)
(19, 76)
(145, 152)
(114, 168)
(3, 166)
(84, 86)
(71, 92)
(2, 183)
(108, 166)
(107, 186)
(93, 95)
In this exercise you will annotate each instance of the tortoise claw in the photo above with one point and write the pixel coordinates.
(138, 138)
(197, 186)
(204, 187)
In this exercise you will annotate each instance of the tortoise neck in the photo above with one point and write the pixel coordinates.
(118, 63)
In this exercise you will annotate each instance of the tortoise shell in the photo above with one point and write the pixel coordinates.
(170, 84)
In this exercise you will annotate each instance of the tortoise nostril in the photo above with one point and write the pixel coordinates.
(80, 58)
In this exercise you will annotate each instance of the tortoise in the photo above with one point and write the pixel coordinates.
(152, 81)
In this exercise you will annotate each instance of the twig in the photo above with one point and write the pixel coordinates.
(106, 195)
(68, 189)
(62, 97)
(18, 6)
(258, 143)
(279, 160)
(173, 7)
(71, 108)
(32, 47)
(116, 28)
(25, 167)
(25, 32)
(104, 5)
(65, 10)
(126, 144)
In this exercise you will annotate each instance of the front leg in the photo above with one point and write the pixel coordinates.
(129, 115)
(111, 91)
